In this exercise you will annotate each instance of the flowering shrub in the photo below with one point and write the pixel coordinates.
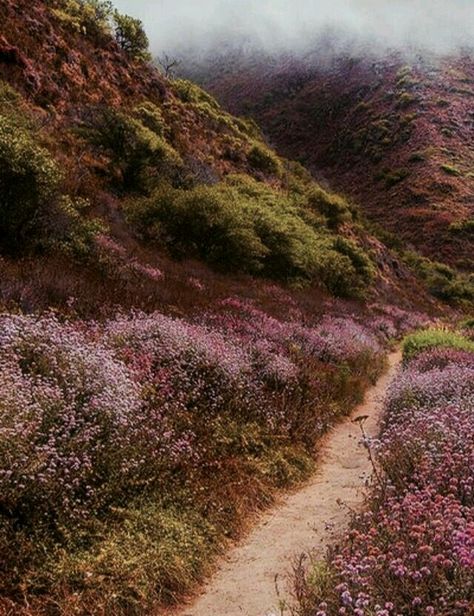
(117, 427)
(412, 551)
(74, 432)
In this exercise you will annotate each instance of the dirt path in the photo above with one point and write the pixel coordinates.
(245, 583)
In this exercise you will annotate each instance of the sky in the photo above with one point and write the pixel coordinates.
(439, 25)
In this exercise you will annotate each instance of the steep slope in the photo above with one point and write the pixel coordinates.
(397, 137)
(131, 171)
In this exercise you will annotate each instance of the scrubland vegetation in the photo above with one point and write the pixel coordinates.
(171, 345)
(412, 550)
(130, 450)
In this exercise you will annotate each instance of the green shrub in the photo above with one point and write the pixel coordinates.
(432, 338)
(189, 92)
(131, 36)
(87, 16)
(451, 170)
(333, 207)
(392, 178)
(442, 281)
(29, 183)
(243, 225)
(463, 227)
(70, 231)
(132, 145)
(150, 116)
(262, 158)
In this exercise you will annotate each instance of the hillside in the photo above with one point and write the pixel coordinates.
(394, 134)
(184, 314)
(112, 130)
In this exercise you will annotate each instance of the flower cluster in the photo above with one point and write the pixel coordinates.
(412, 552)
(92, 414)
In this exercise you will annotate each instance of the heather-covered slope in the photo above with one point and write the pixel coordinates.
(393, 133)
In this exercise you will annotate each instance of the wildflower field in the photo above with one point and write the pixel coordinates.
(131, 449)
(412, 551)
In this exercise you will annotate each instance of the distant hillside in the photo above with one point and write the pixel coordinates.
(396, 137)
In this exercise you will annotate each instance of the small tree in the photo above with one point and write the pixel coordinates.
(131, 36)
(168, 65)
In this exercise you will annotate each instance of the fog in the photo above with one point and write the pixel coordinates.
(435, 25)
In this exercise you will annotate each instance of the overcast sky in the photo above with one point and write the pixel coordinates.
(171, 24)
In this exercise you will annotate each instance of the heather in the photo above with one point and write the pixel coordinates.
(412, 550)
(131, 449)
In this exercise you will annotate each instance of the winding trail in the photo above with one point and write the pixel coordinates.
(245, 584)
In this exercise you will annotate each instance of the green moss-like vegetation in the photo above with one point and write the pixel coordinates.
(463, 227)
(242, 225)
(261, 158)
(432, 338)
(442, 281)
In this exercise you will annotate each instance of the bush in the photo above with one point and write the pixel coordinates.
(451, 170)
(434, 338)
(29, 183)
(87, 16)
(242, 225)
(334, 207)
(150, 116)
(134, 144)
(261, 158)
(189, 92)
(203, 222)
(442, 281)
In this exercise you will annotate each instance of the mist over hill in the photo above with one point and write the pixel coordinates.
(435, 25)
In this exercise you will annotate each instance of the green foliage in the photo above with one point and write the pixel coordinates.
(451, 170)
(432, 338)
(463, 227)
(29, 182)
(150, 116)
(442, 281)
(262, 158)
(70, 231)
(242, 225)
(86, 16)
(131, 36)
(133, 145)
(334, 207)
(189, 92)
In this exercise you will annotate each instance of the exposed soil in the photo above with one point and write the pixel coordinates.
(247, 578)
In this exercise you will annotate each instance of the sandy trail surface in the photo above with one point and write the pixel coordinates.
(246, 578)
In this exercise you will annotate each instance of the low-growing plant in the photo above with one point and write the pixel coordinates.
(334, 207)
(434, 338)
(262, 158)
(442, 281)
(451, 170)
